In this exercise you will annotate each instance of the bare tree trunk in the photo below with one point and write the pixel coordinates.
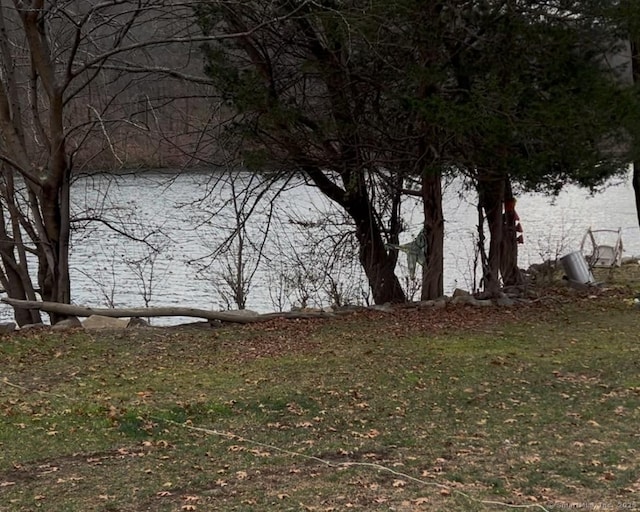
(636, 187)
(11, 276)
(635, 68)
(14, 275)
(490, 196)
(377, 262)
(511, 275)
(432, 272)
(53, 271)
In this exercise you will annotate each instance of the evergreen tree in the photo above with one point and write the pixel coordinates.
(535, 100)
(361, 96)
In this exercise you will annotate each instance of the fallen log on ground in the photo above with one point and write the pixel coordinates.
(240, 317)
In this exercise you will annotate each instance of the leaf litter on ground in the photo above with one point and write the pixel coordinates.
(454, 409)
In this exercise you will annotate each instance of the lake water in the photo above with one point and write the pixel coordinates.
(179, 261)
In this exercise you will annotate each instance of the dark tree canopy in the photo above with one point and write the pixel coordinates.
(361, 96)
(538, 96)
(535, 91)
(314, 89)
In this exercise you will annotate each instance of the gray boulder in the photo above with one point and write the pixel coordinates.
(34, 327)
(471, 300)
(71, 322)
(105, 322)
(136, 322)
(7, 327)
(385, 308)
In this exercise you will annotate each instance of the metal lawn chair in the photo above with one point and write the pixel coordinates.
(602, 247)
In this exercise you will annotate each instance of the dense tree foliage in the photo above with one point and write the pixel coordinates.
(315, 92)
(536, 100)
(626, 14)
(505, 92)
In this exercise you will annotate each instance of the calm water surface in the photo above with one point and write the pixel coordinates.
(174, 261)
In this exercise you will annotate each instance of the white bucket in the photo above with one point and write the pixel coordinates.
(576, 267)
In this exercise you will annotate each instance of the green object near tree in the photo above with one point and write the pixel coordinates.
(415, 251)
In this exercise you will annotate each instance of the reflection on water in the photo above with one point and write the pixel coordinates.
(173, 237)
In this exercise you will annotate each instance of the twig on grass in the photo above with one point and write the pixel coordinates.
(6, 381)
(39, 391)
(379, 467)
(372, 465)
